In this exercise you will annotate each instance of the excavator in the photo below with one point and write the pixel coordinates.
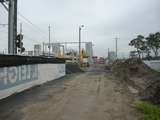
(84, 59)
(73, 58)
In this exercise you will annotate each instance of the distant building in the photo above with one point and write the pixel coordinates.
(37, 50)
(95, 59)
(30, 53)
(56, 50)
(101, 60)
(89, 51)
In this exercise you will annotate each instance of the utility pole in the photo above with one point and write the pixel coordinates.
(43, 48)
(21, 38)
(20, 28)
(80, 28)
(49, 46)
(12, 24)
(12, 27)
(108, 53)
(79, 45)
(116, 45)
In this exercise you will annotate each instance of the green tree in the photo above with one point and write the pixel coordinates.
(138, 43)
(153, 42)
(145, 49)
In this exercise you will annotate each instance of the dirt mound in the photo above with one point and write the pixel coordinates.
(139, 75)
(131, 68)
(152, 92)
(73, 68)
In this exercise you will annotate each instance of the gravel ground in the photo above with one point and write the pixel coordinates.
(93, 95)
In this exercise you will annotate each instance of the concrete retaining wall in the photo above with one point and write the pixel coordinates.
(153, 64)
(15, 79)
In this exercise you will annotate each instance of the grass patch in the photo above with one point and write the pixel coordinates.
(150, 111)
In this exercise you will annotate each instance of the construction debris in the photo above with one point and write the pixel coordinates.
(136, 73)
(73, 68)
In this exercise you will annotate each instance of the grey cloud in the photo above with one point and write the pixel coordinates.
(103, 20)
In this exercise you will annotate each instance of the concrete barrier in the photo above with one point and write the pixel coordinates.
(14, 79)
(153, 64)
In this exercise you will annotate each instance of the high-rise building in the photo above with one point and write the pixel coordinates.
(56, 49)
(37, 50)
(89, 51)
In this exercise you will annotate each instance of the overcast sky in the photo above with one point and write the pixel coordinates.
(103, 20)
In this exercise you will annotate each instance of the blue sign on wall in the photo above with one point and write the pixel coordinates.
(13, 76)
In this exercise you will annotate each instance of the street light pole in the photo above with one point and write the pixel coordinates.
(21, 38)
(116, 46)
(49, 46)
(80, 28)
(79, 45)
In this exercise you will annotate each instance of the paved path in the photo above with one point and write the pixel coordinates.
(93, 95)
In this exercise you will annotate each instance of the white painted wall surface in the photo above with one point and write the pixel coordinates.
(153, 64)
(19, 78)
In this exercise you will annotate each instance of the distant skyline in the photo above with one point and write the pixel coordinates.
(103, 19)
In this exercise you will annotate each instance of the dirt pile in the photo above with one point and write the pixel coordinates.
(139, 75)
(73, 68)
(130, 68)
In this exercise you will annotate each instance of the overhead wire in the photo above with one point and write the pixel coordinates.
(34, 28)
(39, 29)
(41, 33)
(26, 36)
(28, 22)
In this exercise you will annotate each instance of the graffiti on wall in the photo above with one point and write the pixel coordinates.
(61, 69)
(13, 76)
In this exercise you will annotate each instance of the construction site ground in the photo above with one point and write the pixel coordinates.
(92, 95)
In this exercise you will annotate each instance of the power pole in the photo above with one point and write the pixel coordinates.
(12, 27)
(21, 38)
(116, 45)
(108, 53)
(12, 24)
(79, 45)
(49, 46)
(80, 28)
(43, 48)
(20, 28)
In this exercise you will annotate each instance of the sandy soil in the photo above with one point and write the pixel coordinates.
(93, 95)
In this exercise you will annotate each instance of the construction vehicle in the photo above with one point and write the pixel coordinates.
(84, 59)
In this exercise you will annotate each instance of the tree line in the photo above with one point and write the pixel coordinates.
(146, 45)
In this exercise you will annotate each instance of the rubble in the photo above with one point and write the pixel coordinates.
(136, 73)
(73, 68)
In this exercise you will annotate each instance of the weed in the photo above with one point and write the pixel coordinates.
(150, 111)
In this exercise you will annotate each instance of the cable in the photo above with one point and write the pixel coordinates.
(3, 14)
(4, 5)
(36, 33)
(35, 26)
(31, 39)
(32, 24)
(35, 30)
